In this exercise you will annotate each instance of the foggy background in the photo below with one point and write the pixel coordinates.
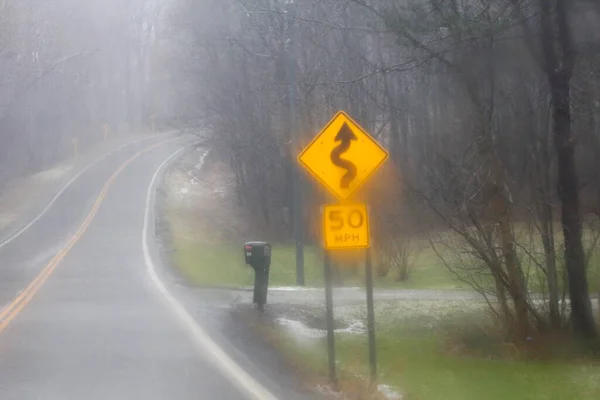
(490, 110)
(69, 67)
(471, 97)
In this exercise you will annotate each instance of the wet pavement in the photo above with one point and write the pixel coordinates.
(83, 316)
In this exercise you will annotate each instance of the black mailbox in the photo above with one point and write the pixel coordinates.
(258, 256)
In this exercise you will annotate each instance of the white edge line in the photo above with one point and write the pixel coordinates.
(201, 339)
(66, 186)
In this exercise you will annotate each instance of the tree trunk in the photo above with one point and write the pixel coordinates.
(568, 192)
(559, 58)
(544, 213)
(394, 126)
(504, 308)
(516, 282)
(550, 260)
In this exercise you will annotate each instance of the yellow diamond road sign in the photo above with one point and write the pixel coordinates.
(343, 156)
(345, 226)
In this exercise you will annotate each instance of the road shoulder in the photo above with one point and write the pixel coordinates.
(217, 310)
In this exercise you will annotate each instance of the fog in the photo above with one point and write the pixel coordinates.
(490, 111)
(68, 68)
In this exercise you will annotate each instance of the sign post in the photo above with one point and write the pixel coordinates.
(371, 318)
(342, 157)
(329, 317)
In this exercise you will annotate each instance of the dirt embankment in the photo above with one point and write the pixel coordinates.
(200, 199)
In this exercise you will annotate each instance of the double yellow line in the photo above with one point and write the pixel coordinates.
(12, 310)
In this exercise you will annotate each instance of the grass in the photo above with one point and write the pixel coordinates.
(417, 346)
(223, 265)
(420, 345)
(209, 261)
(420, 367)
(419, 356)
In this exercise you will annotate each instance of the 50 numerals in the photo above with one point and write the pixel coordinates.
(339, 220)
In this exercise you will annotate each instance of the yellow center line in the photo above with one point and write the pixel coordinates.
(12, 310)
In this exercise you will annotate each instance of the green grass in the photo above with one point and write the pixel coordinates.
(223, 265)
(207, 263)
(428, 273)
(422, 354)
(412, 345)
(421, 369)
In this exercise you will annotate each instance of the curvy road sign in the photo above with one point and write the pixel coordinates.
(343, 156)
(345, 226)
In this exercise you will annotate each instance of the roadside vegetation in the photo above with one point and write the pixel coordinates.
(490, 111)
(198, 262)
(446, 350)
(426, 349)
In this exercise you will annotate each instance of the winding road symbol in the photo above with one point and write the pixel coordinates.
(345, 136)
(343, 156)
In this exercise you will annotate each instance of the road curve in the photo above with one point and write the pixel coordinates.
(84, 317)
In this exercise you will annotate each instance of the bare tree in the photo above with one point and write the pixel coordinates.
(559, 62)
(472, 98)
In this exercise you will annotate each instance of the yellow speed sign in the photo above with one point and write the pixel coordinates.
(345, 226)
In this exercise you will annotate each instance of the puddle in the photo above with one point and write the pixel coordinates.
(389, 392)
(355, 328)
(302, 330)
(291, 289)
(329, 392)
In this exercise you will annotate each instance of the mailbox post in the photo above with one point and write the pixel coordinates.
(258, 256)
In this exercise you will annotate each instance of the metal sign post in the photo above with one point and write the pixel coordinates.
(371, 319)
(329, 318)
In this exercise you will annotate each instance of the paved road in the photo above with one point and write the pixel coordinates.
(24, 198)
(86, 314)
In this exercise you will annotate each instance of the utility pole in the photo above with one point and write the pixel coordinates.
(296, 183)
